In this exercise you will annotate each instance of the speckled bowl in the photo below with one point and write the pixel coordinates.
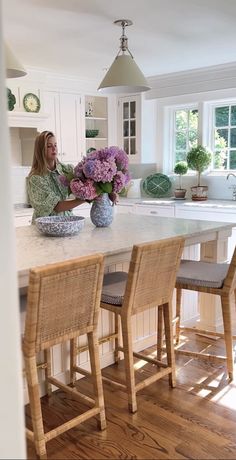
(60, 225)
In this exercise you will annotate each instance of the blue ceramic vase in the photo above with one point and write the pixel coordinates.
(101, 212)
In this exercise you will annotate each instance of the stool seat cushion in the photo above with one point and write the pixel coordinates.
(203, 274)
(114, 287)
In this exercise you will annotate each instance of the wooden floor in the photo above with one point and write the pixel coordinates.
(196, 420)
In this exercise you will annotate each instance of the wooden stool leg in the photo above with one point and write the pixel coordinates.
(96, 376)
(48, 370)
(226, 313)
(117, 331)
(73, 355)
(159, 332)
(35, 406)
(167, 311)
(129, 363)
(178, 313)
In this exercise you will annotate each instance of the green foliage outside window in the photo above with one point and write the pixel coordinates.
(186, 132)
(224, 157)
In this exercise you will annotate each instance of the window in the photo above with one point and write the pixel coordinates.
(185, 132)
(224, 137)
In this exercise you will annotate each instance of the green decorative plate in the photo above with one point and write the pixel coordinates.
(157, 185)
(31, 103)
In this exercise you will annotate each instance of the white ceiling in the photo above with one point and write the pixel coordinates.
(78, 38)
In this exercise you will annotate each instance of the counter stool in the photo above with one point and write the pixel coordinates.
(63, 303)
(210, 278)
(150, 282)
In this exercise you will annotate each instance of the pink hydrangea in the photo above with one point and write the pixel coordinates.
(84, 190)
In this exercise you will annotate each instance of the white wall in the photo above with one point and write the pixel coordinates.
(12, 439)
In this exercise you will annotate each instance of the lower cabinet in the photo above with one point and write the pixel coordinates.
(21, 221)
(82, 210)
(152, 210)
(162, 211)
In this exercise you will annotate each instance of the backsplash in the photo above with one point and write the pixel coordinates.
(218, 185)
(19, 175)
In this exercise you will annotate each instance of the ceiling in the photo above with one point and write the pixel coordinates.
(78, 37)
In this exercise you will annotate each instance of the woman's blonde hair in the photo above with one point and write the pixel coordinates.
(39, 164)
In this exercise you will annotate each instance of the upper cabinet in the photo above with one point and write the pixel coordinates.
(137, 128)
(64, 120)
(96, 122)
(129, 112)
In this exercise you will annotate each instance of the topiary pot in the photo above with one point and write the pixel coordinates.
(180, 193)
(199, 192)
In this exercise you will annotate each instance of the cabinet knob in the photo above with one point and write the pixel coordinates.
(153, 212)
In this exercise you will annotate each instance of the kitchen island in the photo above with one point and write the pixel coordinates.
(115, 242)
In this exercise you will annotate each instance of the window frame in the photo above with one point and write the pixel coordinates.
(210, 123)
(170, 134)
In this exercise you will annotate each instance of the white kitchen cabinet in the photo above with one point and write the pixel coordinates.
(64, 120)
(129, 126)
(123, 208)
(22, 221)
(96, 118)
(137, 128)
(152, 210)
(82, 210)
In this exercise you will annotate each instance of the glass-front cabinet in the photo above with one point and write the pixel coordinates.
(129, 126)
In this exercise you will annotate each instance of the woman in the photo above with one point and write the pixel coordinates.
(46, 194)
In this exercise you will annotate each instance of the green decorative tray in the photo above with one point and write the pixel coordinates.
(157, 185)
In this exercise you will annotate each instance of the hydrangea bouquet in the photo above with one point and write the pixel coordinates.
(101, 171)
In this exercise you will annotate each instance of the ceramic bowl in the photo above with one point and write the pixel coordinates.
(60, 225)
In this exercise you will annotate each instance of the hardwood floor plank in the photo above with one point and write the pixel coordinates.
(196, 420)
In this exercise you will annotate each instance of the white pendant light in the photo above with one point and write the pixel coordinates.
(14, 68)
(124, 76)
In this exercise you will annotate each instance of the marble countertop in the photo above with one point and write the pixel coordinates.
(35, 249)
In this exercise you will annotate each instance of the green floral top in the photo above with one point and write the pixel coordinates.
(46, 191)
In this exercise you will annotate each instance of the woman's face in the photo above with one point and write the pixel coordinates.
(51, 150)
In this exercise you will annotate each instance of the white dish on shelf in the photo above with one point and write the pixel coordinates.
(174, 198)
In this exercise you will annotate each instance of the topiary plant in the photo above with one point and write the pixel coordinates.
(181, 168)
(198, 159)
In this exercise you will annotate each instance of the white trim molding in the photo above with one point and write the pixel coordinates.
(193, 81)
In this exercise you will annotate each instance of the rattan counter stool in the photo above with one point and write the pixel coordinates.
(63, 303)
(150, 282)
(211, 278)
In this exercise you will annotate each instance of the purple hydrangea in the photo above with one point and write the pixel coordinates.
(64, 181)
(119, 182)
(104, 166)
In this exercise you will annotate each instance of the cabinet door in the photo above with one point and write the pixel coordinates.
(129, 126)
(52, 104)
(70, 128)
(125, 208)
(22, 221)
(82, 210)
(155, 210)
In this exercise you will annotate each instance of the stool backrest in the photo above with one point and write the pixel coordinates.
(63, 302)
(152, 274)
(230, 279)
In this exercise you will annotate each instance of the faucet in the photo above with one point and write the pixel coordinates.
(233, 186)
